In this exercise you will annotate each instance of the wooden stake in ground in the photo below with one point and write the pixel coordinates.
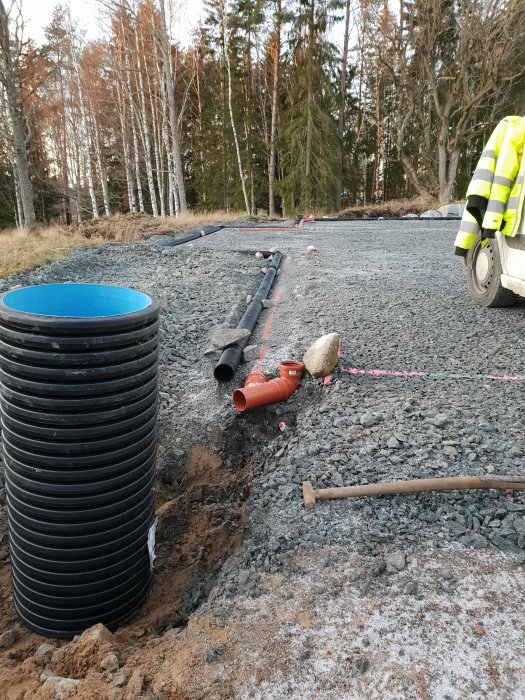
(454, 483)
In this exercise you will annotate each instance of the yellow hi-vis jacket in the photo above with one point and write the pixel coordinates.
(495, 194)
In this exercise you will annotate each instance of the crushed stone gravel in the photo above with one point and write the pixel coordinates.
(398, 298)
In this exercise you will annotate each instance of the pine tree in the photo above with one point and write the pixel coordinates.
(308, 131)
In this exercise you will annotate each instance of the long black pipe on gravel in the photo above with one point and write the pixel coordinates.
(208, 230)
(383, 218)
(231, 357)
(192, 236)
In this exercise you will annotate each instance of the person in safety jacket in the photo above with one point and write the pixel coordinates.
(495, 194)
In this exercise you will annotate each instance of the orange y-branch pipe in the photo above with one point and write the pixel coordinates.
(259, 391)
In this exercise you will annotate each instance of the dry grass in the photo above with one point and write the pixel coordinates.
(21, 252)
(395, 207)
(132, 227)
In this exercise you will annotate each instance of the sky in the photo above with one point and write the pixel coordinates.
(88, 14)
(37, 15)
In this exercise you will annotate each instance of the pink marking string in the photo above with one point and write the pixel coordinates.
(505, 378)
(382, 372)
(440, 375)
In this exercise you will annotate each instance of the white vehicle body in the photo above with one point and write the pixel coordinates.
(512, 251)
(496, 272)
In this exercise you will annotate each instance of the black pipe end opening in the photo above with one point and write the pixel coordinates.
(228, 363)
(224, 372)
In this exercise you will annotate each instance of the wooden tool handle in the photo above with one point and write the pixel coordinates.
(453, 483)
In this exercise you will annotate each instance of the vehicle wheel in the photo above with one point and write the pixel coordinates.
(484, 276)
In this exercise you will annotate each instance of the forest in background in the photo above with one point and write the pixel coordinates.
(260, 112)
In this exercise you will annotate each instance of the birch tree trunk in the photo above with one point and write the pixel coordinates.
(100, 164)
(6, 135)
(275, 108)
(76, 167)
(125, 150)
(180, 191)
(19, 210)
(10, 78)
(225, 52)
(145, 134)
(86, 139)
(378, 154)
(156, 128)
(136, 156)
(341, 119)
(173, 202)
(198, 78)
(62, 145)
(158, 160)
(18, 207)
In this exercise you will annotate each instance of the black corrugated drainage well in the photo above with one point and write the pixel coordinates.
(78, 400)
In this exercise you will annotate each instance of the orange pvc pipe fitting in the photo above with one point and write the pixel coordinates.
(292, 370)
(258, 391)
(255, 377)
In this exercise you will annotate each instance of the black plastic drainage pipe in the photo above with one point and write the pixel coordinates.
(231, 357)
(328, 219)
(206, 231)
(78, 403)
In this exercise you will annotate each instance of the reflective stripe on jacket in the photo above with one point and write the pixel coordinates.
(468, 230)
(495, 193)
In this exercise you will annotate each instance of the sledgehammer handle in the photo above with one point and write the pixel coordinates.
(453, 483)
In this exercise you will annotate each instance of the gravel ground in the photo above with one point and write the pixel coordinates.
(398, 299)
(381, 589)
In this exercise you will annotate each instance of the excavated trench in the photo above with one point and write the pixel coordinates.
(203, 490)
(202, 504)
(201, 508)
(202, 500)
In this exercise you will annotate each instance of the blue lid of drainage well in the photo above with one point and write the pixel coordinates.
(76, 300)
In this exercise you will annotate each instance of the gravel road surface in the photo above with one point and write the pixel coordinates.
(415, 596)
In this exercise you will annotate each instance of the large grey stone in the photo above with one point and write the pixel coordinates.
(452, 210)
(223, 337)
(323, 355)
(337, 479)
(62, 688)
(212, 354)
(431, 214)
(440, 420)
(98, 633)
(395, 561)
(474, 540)
(8, 638)
(250, 353)
(367, 420)
(135, 683)
(110, 663)
(507, 546)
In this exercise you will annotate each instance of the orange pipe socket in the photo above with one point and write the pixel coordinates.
(259, 391)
